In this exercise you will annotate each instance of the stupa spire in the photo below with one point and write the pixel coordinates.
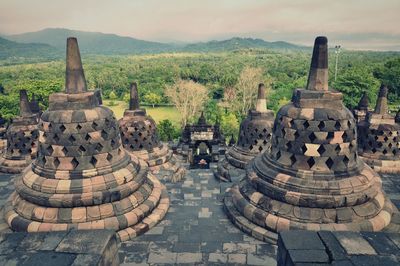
(24, 108)
(261, 105)
(364, 102)
(381, 103)
(75, 81)
(134, 97)
(318, 76)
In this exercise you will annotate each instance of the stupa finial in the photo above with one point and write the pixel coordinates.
(318, 76)
(75, 81)
(134, 97)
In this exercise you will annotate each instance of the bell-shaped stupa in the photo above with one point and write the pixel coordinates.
(379, 137)
(254, 137)
(139, 137)
(312, 178)
(22, 139)
(82, 177)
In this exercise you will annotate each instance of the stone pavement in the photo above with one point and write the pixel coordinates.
(196, 229)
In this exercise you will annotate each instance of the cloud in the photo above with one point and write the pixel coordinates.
(193, 20)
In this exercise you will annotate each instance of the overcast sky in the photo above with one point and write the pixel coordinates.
(356, 24)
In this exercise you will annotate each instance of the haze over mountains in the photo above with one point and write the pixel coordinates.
(51, 43)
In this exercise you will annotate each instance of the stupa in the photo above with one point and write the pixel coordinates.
(82, 178)
(312, 178)
(360, 112)
(139, 137)
(254, 136)
(379, 137)
(22, 136)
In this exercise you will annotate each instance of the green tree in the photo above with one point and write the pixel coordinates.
(152, 98)
(229, 124)
(167, 131)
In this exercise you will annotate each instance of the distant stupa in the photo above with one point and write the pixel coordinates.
(254, 138)
(139, 137)
(22, 136)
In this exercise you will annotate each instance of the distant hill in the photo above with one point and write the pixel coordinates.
(49, 43)
(92, 42)
(9, 49)
(241, 43)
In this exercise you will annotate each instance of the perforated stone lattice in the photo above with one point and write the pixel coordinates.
(325, 145)
(255, 132)
(139, 133)
(22, 142)
(381, 143)
(77, 146)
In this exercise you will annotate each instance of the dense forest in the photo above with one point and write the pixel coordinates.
(281, 71)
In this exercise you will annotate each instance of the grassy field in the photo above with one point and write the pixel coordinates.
(158, 113)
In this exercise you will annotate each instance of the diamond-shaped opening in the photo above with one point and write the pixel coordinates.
(379, 144)
(283, 132)
(346, 160)
(109, 157)
(312, 137)
(321, 149)
(293, 159)
(349, 123)
(321, 125)
(56, 162)
(311, 162)
(251, 147)
(394, 152)
(56, 138)
(296, 134)
(376, 137)
(140, 134)
(256, 129)
(78, 127)
(62, 128)
(306, 124)
(87, 137)
(140, 146)
(269, 135)
(344, 136)
(74, 163)
(338, 149)
(330, 135)
(289, 145)
(338, 125)
(384, 151)
(50, 126)
(278, 155)
(113, 143)
(72, 138)
(265, 142)
(50, 150)
(390, 133)
(373, 150)
(99, 147)
(64, 150)
(82, 149)
(370, 143)
(94, 125)
(260, 148)
(104, 134)
(131, 146)
(386, 138)
(265, 130)
(292, 124)
(304, 148)
(390, 145)
(329, 162)
(260, 136)
(93, 161)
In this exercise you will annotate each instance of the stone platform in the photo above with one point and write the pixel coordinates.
(338, 248)
(196, 230)
(59, 248)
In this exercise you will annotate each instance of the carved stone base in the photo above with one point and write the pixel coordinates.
(162, 160)
(231, 167)
(13, 166)
(383, 166)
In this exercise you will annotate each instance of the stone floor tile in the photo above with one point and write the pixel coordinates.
(237, 258)
(218, 257)
(187, 257)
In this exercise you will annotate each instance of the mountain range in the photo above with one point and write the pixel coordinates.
(51, 43)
